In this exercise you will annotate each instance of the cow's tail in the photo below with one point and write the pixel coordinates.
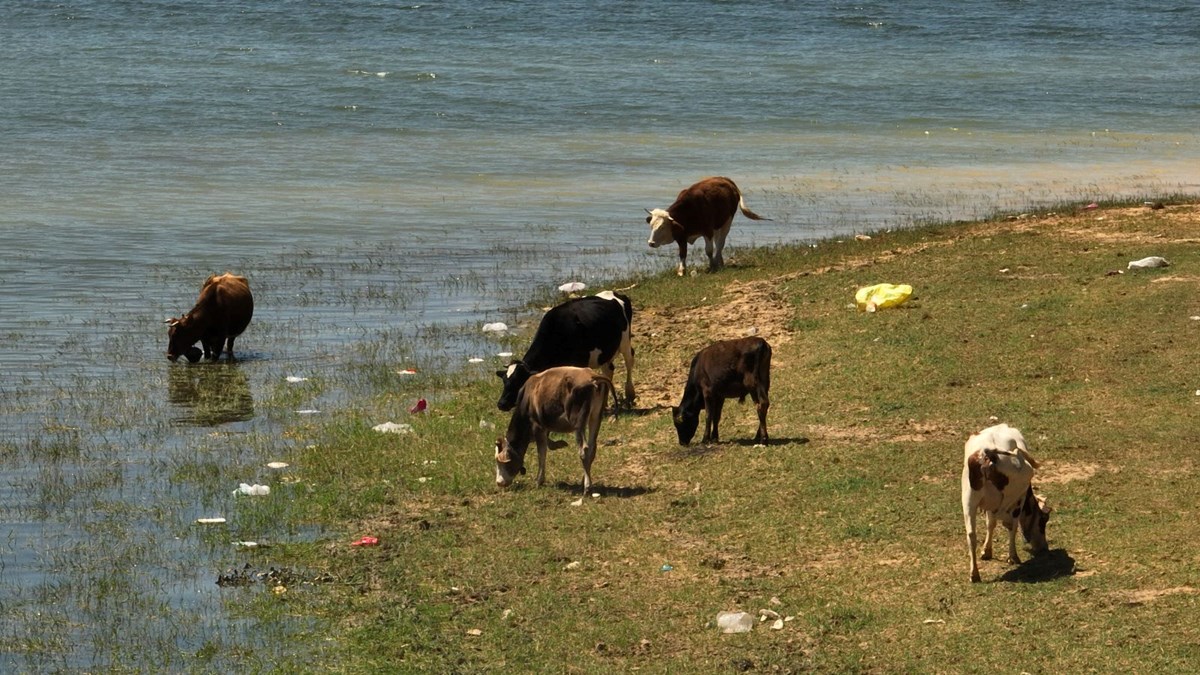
(746, 210)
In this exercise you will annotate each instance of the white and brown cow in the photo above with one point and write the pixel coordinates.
(705, 209)
(997, 479)
(221, 314)
(724, 369)
(581, 332)
(562, 399)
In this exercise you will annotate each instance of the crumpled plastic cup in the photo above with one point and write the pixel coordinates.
(882, 296)
(735, 622)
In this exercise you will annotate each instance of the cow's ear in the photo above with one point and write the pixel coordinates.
(500, 374)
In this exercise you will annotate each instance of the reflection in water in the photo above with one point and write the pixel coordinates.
(210, 394)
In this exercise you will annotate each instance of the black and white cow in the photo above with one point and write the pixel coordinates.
(584, 332)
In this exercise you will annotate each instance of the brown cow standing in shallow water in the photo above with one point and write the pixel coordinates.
(705, 209)
(221, 314)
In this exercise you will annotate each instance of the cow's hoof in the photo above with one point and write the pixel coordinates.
(975, 577)
(986, 555)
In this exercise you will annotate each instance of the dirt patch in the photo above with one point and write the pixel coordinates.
(1152, 594)
(1065, 472)
(744, 309)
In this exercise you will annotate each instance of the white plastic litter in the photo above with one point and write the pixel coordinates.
(406, 371)
(246, 544)
(210, 521)
(393, 428)
(735, 622)
(277, 465)
(573, 565)
(505, 355)
(1148, 263)
(475, 359)
(497, 327)
(572, 287)
(308, 411)
(256, 489)
(294, 378)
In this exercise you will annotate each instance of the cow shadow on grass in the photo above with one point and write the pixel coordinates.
(607, 491)
(701, 449)
(1048, 566)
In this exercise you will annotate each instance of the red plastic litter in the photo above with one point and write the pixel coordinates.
(366, 541)
(1093, 205)
(419, 407)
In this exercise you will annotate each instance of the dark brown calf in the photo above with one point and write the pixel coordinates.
(221, 314)
(705, 209)
(725, 369)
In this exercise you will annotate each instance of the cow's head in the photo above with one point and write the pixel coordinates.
(182, 336)
(1033, 518)
(662, 227)
(509, 463)
(685, 424)
(514, 377)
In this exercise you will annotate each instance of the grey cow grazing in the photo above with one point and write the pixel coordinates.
(562, 399)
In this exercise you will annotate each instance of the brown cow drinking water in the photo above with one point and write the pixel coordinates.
(221, 314)
(562, 399)
(725, 369)
(705, 209)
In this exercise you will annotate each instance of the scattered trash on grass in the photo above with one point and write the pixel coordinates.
(210, 521)
(307, 411)
(366, 541)
(1148, 263)
(406, 371)
(255, 490)
(1091, 206)
(293, 379)
(882, 296)
(764, 614)
(777, 625)
(735, 622)
(393, 428)
(246, 544)
(474, 359)
(579, 502)
(277, 465)
(505, 355)
(572, 287)
(497, 327)
(484, 424)
(474, 632)
(929, 621)
(573, 565)
(666, 568)
(420, 406)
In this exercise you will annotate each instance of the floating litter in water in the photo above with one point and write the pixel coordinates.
(277, 465)
(505, 355)
(294, 379)
(498, 327)
(307, 412)
(393, 428)
(406, 371)
(256, 489)
(572, 287)
(246, 544)
(474, 359)
(210, 521)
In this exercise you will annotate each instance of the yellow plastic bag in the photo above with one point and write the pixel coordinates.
(881, 296)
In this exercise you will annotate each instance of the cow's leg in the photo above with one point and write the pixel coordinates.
(713, 407)
(229, 347)
(683, 244)
(969, 521)
(1012, 542)
(543, 442)
(717, 261)
(627, 356)
(987, 540)
(763, 404)
(610, 369)
(212, 350)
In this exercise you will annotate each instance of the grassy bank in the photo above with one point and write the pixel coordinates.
(848, 523)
